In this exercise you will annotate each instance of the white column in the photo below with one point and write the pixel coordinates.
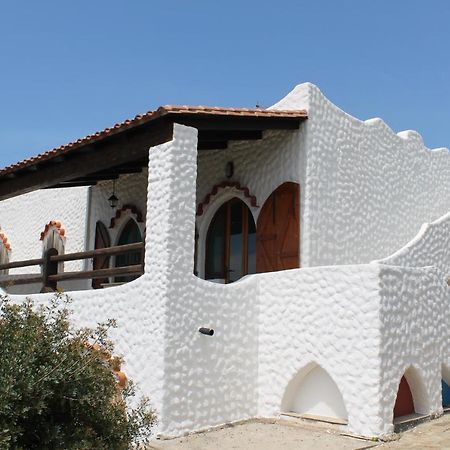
(169, 246)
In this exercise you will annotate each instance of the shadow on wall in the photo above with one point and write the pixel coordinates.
(411, 395)
(313, 392)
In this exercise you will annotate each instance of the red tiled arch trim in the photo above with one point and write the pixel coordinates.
(125, 208)
(53, 224)
(4, 241)
(223, 185)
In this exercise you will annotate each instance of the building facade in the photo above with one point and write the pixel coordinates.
(312, 243)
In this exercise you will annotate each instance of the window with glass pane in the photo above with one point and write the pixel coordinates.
(129, 235)
(230, 243)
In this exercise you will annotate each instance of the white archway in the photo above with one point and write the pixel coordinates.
(312, 391)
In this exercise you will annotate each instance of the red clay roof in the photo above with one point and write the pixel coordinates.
(146, 117)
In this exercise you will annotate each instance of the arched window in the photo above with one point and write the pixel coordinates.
(231, 243)
(130, 234)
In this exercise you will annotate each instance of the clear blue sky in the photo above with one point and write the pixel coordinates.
(71, 68)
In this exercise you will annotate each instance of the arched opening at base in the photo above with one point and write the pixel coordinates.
(404, 403)
(411, 397)
(312, 392)
(445, 385)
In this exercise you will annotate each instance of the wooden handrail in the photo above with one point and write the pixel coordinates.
(107, 251)
(28, 262)
(50, 278)
(20, 279)
(99, 273)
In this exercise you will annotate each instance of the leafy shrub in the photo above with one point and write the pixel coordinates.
(57, 385)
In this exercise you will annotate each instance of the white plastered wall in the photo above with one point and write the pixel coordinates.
(415, 334)
(368, 190)
(327, 316)
(415, 321)
(24, 218)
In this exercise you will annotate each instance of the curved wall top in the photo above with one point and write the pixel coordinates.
(430, 247)
(367, 190)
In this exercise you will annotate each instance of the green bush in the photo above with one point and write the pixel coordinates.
(57, 386)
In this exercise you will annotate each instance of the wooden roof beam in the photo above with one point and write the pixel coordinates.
(103, 155)
(237, 123)
(212, 145)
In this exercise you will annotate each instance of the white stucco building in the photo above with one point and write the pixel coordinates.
(315, 245)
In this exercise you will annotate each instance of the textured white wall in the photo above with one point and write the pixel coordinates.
(430, 247)
(328, 316)
(415, 321)
(415, 333)
(23, 219)
(368, 190)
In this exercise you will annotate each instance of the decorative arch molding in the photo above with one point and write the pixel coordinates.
(5, 251)
(209, 210)
(55, 225)
(126, 210)
(312, 391)
(54, 236)
(226, 185)
(4, 243)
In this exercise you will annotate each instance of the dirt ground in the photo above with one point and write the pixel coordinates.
(303, 435)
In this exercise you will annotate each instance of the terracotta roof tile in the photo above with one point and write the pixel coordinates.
(146, 117)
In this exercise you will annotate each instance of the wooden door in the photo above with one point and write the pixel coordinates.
(278, 230)
(102, 240)
(404, 403)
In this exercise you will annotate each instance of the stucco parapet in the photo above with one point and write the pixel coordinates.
(430, 247)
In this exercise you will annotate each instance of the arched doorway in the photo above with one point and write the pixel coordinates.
(231, 243)
(278, 230)
(130, 234)
(314, 393)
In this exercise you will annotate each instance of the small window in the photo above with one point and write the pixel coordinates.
(130, 234)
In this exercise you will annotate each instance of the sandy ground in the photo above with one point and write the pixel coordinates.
(434, 434)
(302, 435)
(265, 436)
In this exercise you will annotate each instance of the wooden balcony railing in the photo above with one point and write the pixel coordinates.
(49, 276)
